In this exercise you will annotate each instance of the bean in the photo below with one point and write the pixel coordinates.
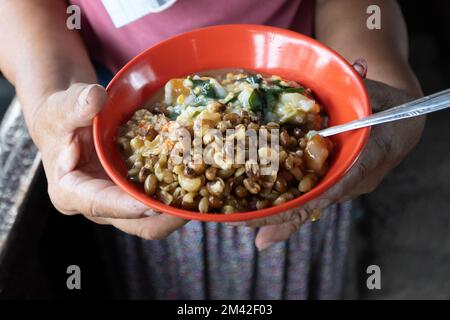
(298, 132)
(289, 162)
(178, 169)
(228, 186)
(215, 202)
(222, 126)
(215, 107)
(253, 126)
(302, 143)
(285, 139)
(272, 125)
(150, 184)
(228, 209)
(240, 171)
(261, 204)
(225, 173)
(169, 187)
(210, 173)
(251, 168)
(165, 197)
(189, 197)
(124, 143)
(297, 173)
(282, 156)
(286, 175)
(295, 192)
(239, 180)
(280, 184)
(203, 205)
(189, 171)
(307, 183)
(190, 205)
(190, 184)
(241, 191)
(283, 198)
(216, 187)
(252, 186)
(232, 117)
(204, 192)
(136, 143)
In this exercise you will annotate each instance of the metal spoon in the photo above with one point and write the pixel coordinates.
(431, 103)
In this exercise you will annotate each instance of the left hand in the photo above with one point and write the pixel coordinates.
(387, 145)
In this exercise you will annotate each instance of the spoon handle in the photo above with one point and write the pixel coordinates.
(431, 103)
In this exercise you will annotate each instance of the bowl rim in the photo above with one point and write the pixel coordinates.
(235, 216)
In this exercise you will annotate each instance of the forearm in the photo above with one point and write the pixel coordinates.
(40, 55)
(341, 24)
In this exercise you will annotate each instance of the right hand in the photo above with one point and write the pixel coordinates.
(61, 127)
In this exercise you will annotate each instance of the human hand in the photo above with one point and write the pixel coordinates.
(61, 127)
(387, 145)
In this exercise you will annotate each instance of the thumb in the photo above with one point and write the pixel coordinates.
(83, 102)
(360, 65)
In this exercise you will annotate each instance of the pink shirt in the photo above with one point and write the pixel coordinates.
(113, 46)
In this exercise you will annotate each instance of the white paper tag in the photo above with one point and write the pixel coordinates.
(123, 12)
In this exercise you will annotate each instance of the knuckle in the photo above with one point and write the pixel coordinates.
(362, 170)
(286, 216)
(93, 210)
(383, 147)
(304, 215)
(96, 207)
(295, 225)
(257, 222)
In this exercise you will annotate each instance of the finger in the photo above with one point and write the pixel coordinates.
(269, 235)
(274, 219)
(150, 228)
(270, 220)
(77, 192)
(77, 106)
(302, 212)
(360, 65)
(97, 220)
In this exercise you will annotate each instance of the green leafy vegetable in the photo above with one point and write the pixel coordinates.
(173, 115)
(256, 101)
(206, 88)
(294, 90)
(195, 114)
(277, 83)
(252, 79)
(230, 99)
(271, 96)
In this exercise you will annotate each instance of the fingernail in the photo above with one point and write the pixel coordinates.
(360, 66)
(83, 97)
(265, 245)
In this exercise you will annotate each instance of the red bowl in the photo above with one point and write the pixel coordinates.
(259, 48)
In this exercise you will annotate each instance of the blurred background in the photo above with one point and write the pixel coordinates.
(404, 226)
